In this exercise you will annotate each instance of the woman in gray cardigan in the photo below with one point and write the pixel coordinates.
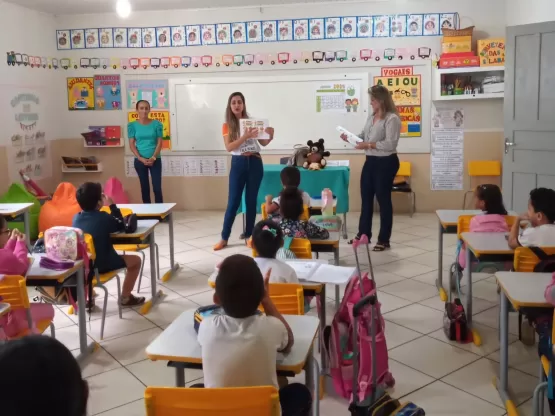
(380, 135)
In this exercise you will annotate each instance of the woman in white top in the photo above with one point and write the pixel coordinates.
(246, 166)
(381, 135)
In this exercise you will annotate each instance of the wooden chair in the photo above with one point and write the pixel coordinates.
(241, 401)
(481, 168)
(401, 184)
(135, 248)
(300, 246)
(13, 290)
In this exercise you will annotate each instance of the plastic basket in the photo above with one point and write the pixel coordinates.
(467, 31)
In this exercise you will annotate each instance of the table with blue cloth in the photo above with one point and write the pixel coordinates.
(313, 182)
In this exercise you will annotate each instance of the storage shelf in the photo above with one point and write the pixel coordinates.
(121, 144)
(81, 170)
(470, 70)
(470, 96)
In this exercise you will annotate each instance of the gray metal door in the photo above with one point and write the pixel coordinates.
(529, 158)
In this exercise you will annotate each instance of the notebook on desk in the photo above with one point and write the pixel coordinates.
(317, 272)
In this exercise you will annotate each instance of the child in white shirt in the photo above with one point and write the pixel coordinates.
(239, 348)
(541, 215)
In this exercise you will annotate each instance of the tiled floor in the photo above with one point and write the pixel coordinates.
(442, 377)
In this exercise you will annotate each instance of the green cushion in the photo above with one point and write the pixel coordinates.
(17, 194)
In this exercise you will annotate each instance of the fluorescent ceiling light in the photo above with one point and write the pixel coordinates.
(123, 8)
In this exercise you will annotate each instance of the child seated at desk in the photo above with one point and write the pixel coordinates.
(100, 225)
(14, 261)
(239, 349)
(291, 208)
(290, 179)
(40, 376)
(541, 215)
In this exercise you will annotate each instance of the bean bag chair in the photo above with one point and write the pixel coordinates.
(17, 194)
(61, 209)
(114, 189)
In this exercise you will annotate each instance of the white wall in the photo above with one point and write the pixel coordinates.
(522, 12)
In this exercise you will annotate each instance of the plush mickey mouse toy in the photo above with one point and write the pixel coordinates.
(315, 158)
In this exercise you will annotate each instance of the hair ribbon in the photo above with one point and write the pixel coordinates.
(270, 230)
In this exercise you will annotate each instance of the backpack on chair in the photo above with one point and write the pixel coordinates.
(300, 152)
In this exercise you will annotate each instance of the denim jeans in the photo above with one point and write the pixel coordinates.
(377, 178)
(156, 174)
(245, 174)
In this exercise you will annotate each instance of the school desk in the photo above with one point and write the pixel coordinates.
(158, 212)
(75, 276)
(143, 235)
(178, 344)
(13, 210)
(522, 290)
(329, 245)
(448, 219)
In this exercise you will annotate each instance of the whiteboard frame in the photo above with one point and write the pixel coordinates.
(365, 73)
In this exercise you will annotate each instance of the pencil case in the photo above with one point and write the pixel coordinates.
(205, 311)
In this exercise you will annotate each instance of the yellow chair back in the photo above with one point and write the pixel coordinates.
(484, 168)
(14, 291)
(174, 401)
(525, 260)
(300, 246)
(124, 211)
(288, 298)
(304, 216)
(404, 169)
(90, 247)
(463, 224)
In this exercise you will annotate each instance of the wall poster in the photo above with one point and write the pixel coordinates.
(338, 97)
(80, 93)
(153, 91)
(107, 92)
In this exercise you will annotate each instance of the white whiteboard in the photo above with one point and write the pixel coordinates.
(288, 102)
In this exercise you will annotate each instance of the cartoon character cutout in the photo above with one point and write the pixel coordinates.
(84, 92)
(192, 37)
(114, 91)
(237, 34)
(315, 31)
(283, 32)
(348, 104)
(269, 31)
(446, 24)
(100, 92)
(331, 29)
(347, 29)
(299, 31)
(161, 98)
(177, 37)
(207, 36)
(100, 103)
(414, 28)
(354, 103)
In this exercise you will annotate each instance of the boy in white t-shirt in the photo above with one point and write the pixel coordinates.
(290, 178)
(239, 348)
(541, 215)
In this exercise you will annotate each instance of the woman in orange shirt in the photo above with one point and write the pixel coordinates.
(246, 166)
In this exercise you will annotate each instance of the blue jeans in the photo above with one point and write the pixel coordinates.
(376, 180)
(246, 173)
(156, 174)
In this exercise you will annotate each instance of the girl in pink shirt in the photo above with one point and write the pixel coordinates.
(14, 262)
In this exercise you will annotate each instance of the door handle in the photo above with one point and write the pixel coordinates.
(508, 144)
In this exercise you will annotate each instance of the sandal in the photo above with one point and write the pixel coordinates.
(248, 242)
(357, 237)
(379, 247)
(222, 244)
(132, 301)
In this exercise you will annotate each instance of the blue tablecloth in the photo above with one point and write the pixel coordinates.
(335, 178)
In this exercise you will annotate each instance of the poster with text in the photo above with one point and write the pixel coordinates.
(24, 119)
(163, 117)
(405, 89)
(338, 97)
(80, 93)
(107, 92)
(153, 91)
(411, 120)
(447, 154)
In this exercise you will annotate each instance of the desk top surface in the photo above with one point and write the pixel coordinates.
(14, 209)
(524, 289)
(179, 342)
(487, 243)
(149, 209)
(36, 272)
(144, 229)
(450, 217)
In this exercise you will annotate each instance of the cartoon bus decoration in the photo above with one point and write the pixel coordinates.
(165, 62)
(43, 61)
(195, 60)
(306, 57)
(249, 59)
(186, 61)
(25, 59)
(424, 53)
(217, 59)
(65, 63)
(206, 60)
(283, 58)
(296, 57)
(55, 63)
(175, 61)
(389, 54)
(227, 60)
(134, 63)
(341, 55)
(238, 60)
(124, 63)
(145, 63)
(317, 56)
(114, 62)
(155, 63)
(95, 63)
(260, 58)
(32, 61)
(329, 56)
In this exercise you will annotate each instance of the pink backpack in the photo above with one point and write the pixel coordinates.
(340, 336)
(114, 189)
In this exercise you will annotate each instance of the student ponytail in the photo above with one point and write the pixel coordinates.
(267, 239)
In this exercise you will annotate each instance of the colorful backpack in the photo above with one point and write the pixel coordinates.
(339, 342)
(332, 223)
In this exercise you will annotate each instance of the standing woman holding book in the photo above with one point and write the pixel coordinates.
(246, 166)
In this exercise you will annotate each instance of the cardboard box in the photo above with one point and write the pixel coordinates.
(458, 60)
(456, 44)
(492, 52)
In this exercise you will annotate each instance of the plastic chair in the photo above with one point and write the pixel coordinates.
(135, 248)
(481, 168)
(13, 290)
(401, 184)
(100, 280)
(288, 298)
(300, 246)
(545, 367)
(241, 401)
(304, 216)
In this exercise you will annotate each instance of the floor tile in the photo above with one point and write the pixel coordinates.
(195, 255)
(157, 373)
(98, 362)
(131, 348)
(430, 259)
(396, 335)
(440, 399)
(385, 278)
(203, 298)
(485, 290)
(490, 317)
(407, 380)
(167, 311)
(521, 357)
(410, 290)
(186, 286)
(112, 389)
(115, 327)
(406, 268)
(476, 379)
(69, 336)
(432, 357)
(416, 317)
(390, 303)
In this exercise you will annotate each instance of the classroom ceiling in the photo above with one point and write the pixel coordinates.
(59, 7)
